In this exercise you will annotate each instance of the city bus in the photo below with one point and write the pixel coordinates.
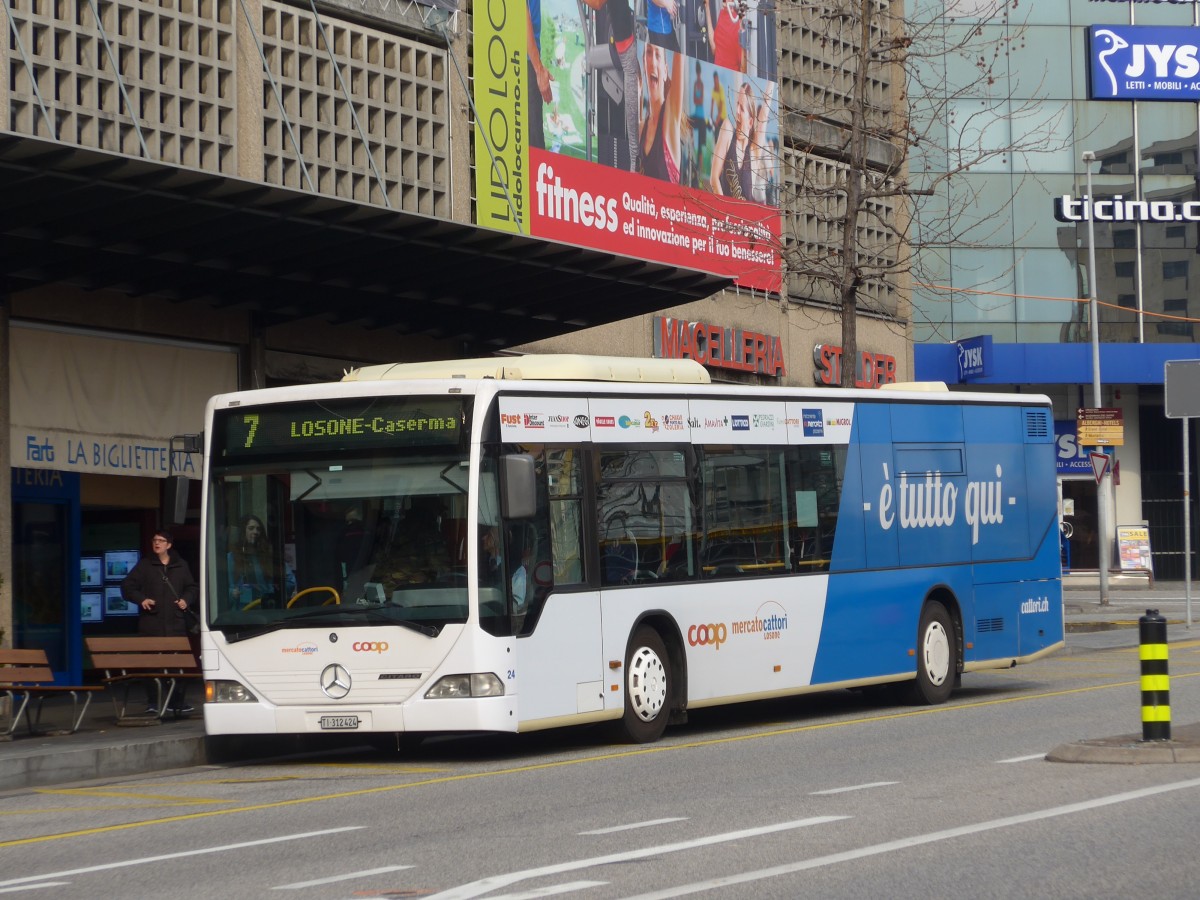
(521, 543)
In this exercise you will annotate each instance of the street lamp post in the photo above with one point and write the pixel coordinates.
(1102, 486)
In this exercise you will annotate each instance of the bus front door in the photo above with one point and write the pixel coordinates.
(560, 670)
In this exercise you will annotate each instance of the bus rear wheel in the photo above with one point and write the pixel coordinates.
(648, 687)
(937, 656)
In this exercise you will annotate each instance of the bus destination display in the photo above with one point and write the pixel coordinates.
(390, 422)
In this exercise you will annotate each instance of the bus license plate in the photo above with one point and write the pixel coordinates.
(337, 722)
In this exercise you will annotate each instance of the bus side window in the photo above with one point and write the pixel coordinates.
(618, 553)
(564, 477)
(814, 477)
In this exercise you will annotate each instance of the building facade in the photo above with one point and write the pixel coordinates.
(1015, 286)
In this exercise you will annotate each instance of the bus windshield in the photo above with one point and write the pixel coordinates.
(373, 535)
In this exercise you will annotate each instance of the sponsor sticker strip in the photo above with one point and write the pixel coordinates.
(671, 420)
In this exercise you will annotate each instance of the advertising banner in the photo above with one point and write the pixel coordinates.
(654, 137)
(1143, 62)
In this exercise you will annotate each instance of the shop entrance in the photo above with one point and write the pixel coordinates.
(45, 550)
(1080, 516)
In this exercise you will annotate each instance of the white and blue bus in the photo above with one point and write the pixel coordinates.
(513, 544)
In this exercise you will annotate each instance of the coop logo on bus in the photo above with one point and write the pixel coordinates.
(370, 646)
(1040, 605)
(532, 421)
(813, 426)
(606, 422)
(770, 621)
(713, 635)
(303, 649)
(932, 503)
(741, 423)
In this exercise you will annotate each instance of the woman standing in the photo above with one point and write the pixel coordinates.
(165, 592)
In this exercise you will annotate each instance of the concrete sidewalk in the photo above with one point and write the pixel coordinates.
(99, 749)
(102, 749)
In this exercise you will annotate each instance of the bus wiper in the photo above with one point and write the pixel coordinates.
(234, 634)
(369, 612)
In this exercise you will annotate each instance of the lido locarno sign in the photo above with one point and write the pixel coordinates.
(1143, 62)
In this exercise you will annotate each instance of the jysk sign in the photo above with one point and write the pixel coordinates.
(1142, 62)
(1071, 457)
(974, 357)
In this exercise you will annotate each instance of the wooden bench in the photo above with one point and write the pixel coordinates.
(25, 674)
(127, 661)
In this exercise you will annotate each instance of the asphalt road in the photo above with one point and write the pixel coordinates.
(838, 795)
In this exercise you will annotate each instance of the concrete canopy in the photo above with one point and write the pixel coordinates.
(102, 221)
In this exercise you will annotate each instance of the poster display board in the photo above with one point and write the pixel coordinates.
(1133, 547)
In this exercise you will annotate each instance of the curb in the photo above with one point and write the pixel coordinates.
(1130, 749)
(60, 766)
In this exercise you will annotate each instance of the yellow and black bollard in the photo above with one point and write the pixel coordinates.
(1156, 683)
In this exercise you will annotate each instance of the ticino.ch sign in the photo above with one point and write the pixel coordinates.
(1118, 209)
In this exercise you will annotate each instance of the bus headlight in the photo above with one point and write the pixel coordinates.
(227, 692)
(480, 684)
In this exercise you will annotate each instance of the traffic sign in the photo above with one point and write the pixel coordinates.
(1100, 426)
(1099, 465)
(1181, 382)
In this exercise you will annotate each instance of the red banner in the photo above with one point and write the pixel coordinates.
(578, 202)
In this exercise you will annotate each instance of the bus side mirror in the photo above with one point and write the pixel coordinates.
(518, 486)
(175, 500)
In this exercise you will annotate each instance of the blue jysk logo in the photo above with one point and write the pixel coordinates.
(1136, 61)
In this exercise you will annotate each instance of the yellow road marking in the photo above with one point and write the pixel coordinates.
(125, 795)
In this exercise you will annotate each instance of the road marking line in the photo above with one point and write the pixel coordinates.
(1018, 759)
(185, 853)
(915, 841)
(634, 825)
(34, 887)
(550, 891)
(853, 787)
(335, 878)
(495, 882)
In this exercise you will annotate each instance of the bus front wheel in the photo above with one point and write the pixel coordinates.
(937, 656)
(648, 687)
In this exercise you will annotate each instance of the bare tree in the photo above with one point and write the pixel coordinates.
(883, 111)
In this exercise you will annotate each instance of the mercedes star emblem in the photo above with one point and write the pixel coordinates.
(335, 682)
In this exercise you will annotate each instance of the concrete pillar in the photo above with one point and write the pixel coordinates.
(254, 359)
(6, 523)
